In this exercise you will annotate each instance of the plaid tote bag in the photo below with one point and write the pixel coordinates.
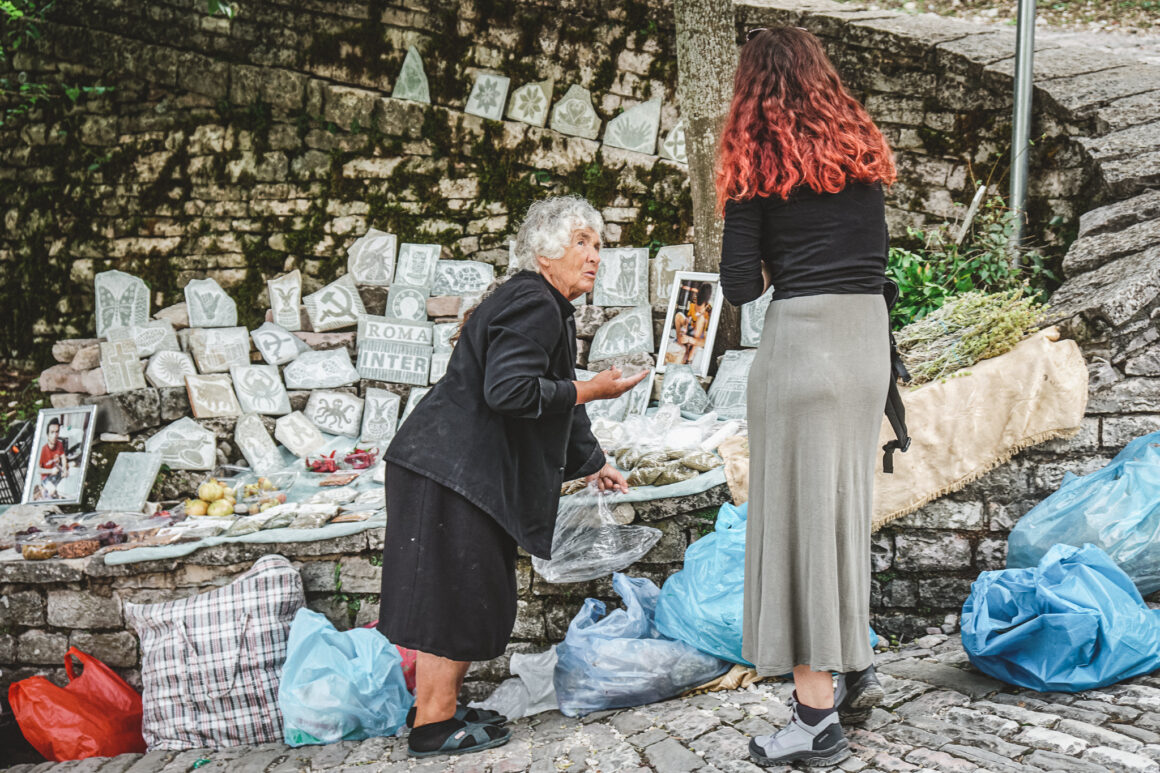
(210, 664)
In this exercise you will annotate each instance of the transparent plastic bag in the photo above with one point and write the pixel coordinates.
(532, 689)
(589, 543)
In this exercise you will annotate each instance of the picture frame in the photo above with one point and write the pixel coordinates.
(690, 329)
(61, 480)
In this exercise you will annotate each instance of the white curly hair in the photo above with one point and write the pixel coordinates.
(548, 227)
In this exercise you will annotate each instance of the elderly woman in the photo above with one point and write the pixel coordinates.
(476, 470)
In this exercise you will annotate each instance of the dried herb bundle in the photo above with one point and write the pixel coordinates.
(968, 328)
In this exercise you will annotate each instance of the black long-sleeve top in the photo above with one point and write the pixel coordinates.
(502, 427)
(813, 243)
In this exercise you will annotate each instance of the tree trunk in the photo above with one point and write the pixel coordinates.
(706, 61)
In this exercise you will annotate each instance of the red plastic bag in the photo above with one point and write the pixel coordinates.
(96, 715)
(409, 659)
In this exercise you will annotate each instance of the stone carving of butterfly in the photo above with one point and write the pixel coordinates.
(119, 310)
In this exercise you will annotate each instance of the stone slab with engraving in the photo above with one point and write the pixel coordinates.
(636, 128)
(663, 268)
(121, 300)
(462, 277)
(727, 392)
(681, 387)
(209, 305)
(212, 396)
(299, 434)
(488, 96)
(338, 413)
(673, 148)
(626, 333)
(529, 103)
(335, 306)
(394, 350)
(121, 367)
(184, 445)
(169, 369)
(260, 390)
(155, 336)
(405, 302)
(130, 481)
(320, 370)
(575, 115)
(412, 81)
(285, 298)
(215, 349)
(255, 443)
(622, 278)
(371, 259)
(278, 345)
(439, 362)
(417, 265)
(417, 394)
(444, 332)
(753, 318)
(380, 417)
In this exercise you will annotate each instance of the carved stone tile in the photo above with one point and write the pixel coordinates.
(753, 318)
(462, 277)
(417, 394)
(529, 103)
(575, 115)
(169, 369)
(444, 332)
(628, 332)
(335, 306)
(260, 390)
(299, 434)
(130, 482)
(727, 392)
(394, 350)
(211, 396)
(371, 259)
(439, 362)
(121, 366)
(669, 260)
(680, 386)
(255, 443)
(320, 370)
(673, 148)
(407, 303)
(215, 349)
(417, 265)
(488, 96)
(380, 417)
(412, 81)
(635, 128)
(209, 305)
(184, 445)
(151, 337)
(622, 279)
(285, 298)
(121, 300)
(277, 344)
(338, 413)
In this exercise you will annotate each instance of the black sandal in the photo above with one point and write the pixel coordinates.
(466, 714)
(454, 736)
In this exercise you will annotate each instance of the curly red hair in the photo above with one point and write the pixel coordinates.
(792, 123)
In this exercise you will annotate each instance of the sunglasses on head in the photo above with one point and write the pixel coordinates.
(749, 35)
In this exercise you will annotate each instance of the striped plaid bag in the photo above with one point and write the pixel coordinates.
(210, 664)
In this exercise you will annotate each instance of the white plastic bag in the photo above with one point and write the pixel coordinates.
(589, 543)
(532, 689)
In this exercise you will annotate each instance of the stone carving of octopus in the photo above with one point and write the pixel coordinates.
(334, 412)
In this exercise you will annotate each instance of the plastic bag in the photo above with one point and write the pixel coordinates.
(530, 692)
(339, 685)
(95, 715)
(1074, 622)
(1116, 508)
(701, 604)
(589, 543)
(621, 660)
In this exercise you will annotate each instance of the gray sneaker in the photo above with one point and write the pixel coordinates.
(818, 746)
(856, 695)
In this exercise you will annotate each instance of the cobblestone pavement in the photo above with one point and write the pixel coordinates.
(939, 715)
(1144, 48)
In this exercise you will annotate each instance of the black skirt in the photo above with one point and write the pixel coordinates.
(449, 578)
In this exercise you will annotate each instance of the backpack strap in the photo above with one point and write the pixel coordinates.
(895, 410)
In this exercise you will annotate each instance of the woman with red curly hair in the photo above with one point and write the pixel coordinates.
(799, 180)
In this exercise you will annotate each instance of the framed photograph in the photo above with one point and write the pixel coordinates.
(691, 322)
(60, 457)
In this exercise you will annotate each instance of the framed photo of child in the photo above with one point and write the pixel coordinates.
(691, 322)
(60, 458)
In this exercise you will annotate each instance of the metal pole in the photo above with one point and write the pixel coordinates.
(1021, 125)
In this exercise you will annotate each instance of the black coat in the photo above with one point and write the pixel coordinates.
(502, 427)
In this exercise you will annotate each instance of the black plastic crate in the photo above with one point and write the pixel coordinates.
(14, 462)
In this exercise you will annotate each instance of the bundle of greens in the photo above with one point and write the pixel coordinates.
(968, 328)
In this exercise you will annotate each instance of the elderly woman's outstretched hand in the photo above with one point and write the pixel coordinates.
(606, 385)
(609, 479)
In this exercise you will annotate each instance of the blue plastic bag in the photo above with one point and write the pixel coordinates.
(1116, 508)
(702, 604)
(621, 660)
(1073, 623)
(340, 685)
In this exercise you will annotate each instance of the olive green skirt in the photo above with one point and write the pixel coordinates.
(817, 390)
